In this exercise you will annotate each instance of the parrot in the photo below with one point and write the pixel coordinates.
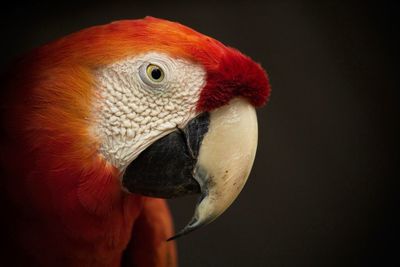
(101, 126)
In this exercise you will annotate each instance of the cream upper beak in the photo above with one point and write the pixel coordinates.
(225, 160)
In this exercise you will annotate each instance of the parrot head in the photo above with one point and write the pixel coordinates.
(158, 108)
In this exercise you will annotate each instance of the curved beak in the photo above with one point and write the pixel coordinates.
(212, 155)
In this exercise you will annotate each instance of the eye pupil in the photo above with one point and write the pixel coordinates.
(156, 73)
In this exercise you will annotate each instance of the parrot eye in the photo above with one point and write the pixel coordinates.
(155, 73)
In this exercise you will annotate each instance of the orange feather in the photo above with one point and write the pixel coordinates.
(66, 201)
(63, 200)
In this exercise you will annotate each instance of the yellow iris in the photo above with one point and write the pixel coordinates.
(155, 73)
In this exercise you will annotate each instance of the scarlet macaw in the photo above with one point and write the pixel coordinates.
(98, 123)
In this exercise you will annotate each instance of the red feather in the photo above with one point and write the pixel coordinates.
(63, 201)
(235, 75)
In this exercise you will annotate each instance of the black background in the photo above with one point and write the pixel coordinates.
(323, 190)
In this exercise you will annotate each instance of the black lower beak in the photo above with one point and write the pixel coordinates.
(165, 169)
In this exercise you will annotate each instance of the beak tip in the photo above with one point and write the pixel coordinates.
(179, 234)
(183, 232)
(194, 224)
(171, 238)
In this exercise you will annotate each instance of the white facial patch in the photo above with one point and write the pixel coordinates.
(133, 111)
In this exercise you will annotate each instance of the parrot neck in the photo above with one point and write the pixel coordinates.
(86, 218)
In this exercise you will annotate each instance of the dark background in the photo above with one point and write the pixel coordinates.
(323, 190)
